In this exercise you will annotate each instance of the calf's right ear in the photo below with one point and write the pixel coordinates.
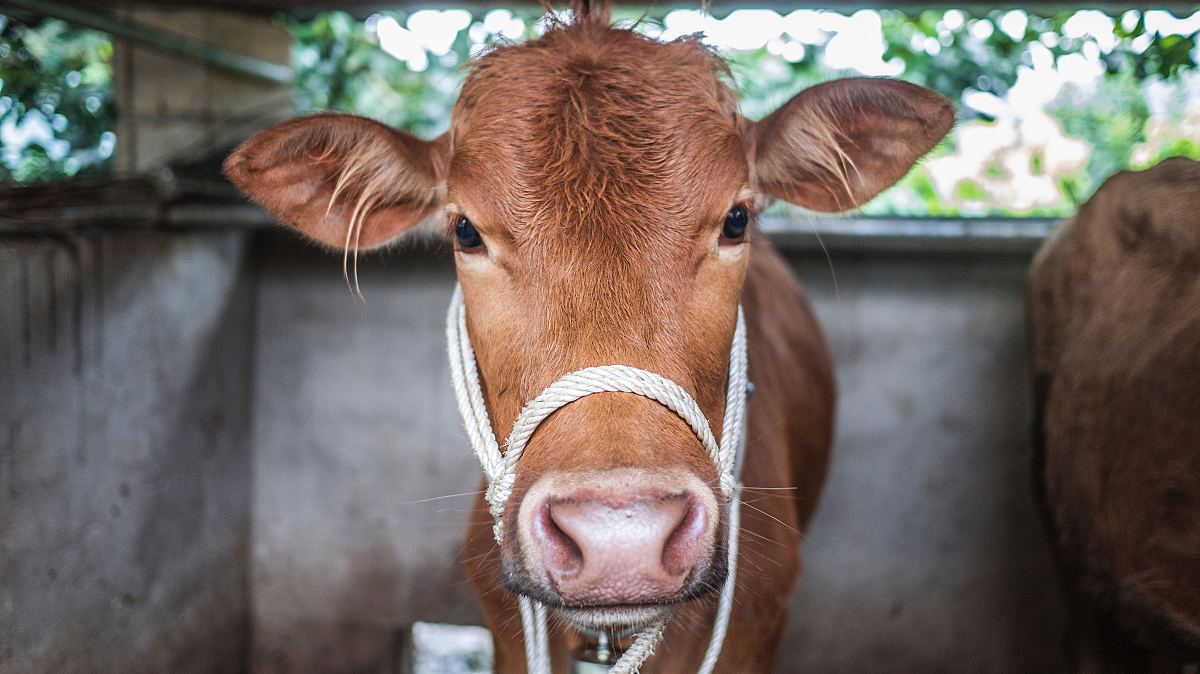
(346, 182)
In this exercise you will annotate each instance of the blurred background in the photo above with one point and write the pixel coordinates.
(1052, 99)
(214, 457)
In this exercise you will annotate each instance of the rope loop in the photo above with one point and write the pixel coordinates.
(501, 468)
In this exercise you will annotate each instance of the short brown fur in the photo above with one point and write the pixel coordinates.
(598, 166)
(1115, 314)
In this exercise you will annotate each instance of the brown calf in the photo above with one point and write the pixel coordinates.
(600, 189)
(1115, 312)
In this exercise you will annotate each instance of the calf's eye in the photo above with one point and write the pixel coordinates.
(468, 237)
(736, 222)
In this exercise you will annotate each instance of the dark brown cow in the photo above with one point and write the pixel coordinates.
(1115, 309)
(600, 187)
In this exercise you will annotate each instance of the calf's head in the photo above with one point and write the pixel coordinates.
(599, 188)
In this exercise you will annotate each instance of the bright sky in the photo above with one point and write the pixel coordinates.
(853, 42)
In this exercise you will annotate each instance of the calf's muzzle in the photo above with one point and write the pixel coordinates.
(643, 542)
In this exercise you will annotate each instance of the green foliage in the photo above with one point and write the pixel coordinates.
(950, 61)
(1178, 147)
(765, 82)
(56, 106)
(979, 55)
(1112, 120)
(955, 53)
(1164, 57)
(340, 66)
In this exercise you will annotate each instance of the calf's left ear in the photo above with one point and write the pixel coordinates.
(834, 146)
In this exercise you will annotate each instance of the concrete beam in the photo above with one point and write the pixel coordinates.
(171, 108)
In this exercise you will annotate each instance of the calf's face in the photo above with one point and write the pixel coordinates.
(599, 188)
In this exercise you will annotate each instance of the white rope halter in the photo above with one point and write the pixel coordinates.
(501, 468)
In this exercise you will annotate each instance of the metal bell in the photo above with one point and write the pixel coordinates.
(594, 660)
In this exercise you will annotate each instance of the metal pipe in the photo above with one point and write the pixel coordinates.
(151, 37)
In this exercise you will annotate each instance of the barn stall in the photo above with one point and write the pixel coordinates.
(216, 457)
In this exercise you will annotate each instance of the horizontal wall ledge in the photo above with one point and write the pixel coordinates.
(907, 234)
(791, 233)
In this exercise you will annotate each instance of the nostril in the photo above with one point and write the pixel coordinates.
(681, 548)
(606, 546)
(560, 552)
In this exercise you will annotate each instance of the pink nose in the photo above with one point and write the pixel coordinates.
(620, 549)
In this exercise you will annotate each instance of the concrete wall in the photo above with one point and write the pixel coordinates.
(205, 443)
(174, 108)
(355, 428)
(925, 554)
(125, 373)
(125, 470)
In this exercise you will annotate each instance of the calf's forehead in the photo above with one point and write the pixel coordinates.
(589, 122)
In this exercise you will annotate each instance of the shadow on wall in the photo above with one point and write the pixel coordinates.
(124, 478)
(364, 477)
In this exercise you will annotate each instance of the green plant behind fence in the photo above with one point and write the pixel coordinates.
(1126, 91)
